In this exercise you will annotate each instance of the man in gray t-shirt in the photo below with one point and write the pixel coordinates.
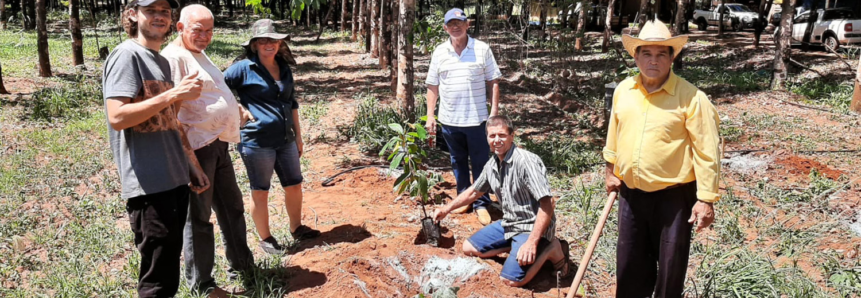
(150, 151)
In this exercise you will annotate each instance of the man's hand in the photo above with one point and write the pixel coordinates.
(526, 254)
(244, 116)
(199, 182)
(300, 146)
(188, 89)
(611, 182)
(439, 214)
(704, 214)
(430, 127)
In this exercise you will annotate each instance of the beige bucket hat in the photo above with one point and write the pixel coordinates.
(654, 33)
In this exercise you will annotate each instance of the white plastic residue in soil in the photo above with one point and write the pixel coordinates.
(747, 164)
(441, 273)
(856, 226)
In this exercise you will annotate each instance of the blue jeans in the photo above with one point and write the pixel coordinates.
(492, 237)
(468, 145)
(260, 162)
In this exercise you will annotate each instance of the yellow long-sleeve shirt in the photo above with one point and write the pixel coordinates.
(667, 137)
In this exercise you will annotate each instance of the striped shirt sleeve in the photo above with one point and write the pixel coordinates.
(481, 184)
(536, 179)
(491, 69)
(433, 71)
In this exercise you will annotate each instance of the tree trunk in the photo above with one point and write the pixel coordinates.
(363, 24)
(230, 5)
(581, 25)
(720, 20)
(856, 95)
(608, 25)
(2, 16)
(406, 73)
(75, 29)
(29, 10)
(354, 24)
(343, 15)
(680, 16)
(42, 39)
(808, 30)
(509, 13)
(395, 32)
(323, 22)
(542, 19)
(385, 33)
(645, 12)
(375, 28)
(524, 19)
(762, 23)
(782, 46)
(476, 31)
(3, 87)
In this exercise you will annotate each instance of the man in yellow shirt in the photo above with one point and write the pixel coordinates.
(663, 159)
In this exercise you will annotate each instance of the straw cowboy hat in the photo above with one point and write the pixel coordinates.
(654, 33)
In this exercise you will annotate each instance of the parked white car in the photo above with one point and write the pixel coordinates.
(736, 16)
(833, 28)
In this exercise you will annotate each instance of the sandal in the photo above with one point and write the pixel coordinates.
(304, 232)
(564, 265)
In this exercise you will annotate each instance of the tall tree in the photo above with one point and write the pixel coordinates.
(542, 18)
(608, 25)
(581, 25)
(343, 15)
(3, 87)
(75, 30)
(856, 95)
(476, 29)
(396, 8)
(2, 14)
(42, 39)
(524, 19)
(782, 50)
(375, 28)
(721, 18)
(406, 72)
(645, 12)
(354, 24)
(681, 7)
(385, 33)
(29, 9)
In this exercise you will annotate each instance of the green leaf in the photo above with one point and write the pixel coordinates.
(397, 128)
(414, 134)
(400, 182)
(423, 188)
(422, 133)
(396, 161)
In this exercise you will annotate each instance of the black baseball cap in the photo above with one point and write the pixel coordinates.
(133, 3)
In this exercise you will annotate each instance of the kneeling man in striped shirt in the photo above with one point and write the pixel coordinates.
(528, 225)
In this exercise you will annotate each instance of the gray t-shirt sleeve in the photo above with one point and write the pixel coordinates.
(122, 77)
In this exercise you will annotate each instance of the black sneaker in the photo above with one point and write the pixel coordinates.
(271, 246)
(304, 232)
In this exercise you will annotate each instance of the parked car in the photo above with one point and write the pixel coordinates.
(832, 28)
(595, 18)
(736, 16)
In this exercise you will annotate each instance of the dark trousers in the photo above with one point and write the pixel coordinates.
(468, 146)
(157, 220)
(654, 241)
(223, 197)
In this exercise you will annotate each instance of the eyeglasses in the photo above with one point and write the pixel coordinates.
(267, 40)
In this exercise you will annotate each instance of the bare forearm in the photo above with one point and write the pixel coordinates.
(123, 114)
(186, 145)
(466, 197)
(494, 98)
(432, 96)
(543, 220)
(296, 127)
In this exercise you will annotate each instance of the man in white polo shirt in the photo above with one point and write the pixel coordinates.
(210, 122)
(461, 70)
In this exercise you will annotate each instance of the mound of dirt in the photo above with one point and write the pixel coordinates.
(798, 165)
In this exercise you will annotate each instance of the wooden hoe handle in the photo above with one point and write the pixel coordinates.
(584, 262)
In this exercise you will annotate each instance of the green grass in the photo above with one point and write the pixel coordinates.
(837, 95)
(715, 77)
(564, 154)
(370, 126)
